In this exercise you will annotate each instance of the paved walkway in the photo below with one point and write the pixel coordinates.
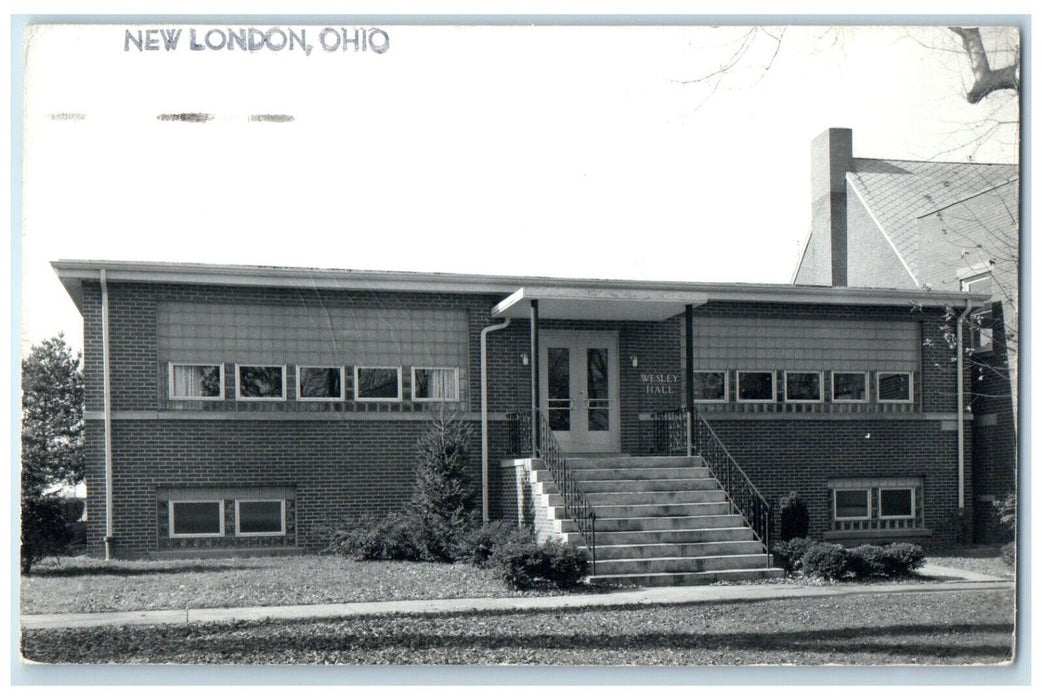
(945, 579)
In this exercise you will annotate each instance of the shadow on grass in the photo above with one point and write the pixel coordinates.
(70, 570)
(926, 643)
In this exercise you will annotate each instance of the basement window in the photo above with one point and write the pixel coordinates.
(204, 382)
(261, 382)
(709, 386)
(260, 517)
(850, 386)
(435, 384)
(894, 387)
(896, 503)
(852, 504)
(197, 518)
(378, 383)
(320, 383)
(803, 387)
(756, 386)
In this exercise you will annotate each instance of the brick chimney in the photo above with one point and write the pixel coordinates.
(831, 158)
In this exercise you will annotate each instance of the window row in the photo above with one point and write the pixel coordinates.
(253, 518)
(268, 383)
(890, 503)
(714, 386)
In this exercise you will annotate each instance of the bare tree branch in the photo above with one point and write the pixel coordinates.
(986, 79)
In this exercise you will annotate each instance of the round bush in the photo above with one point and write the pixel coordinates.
(826, 560)
(480, 544)
(902, 558)
(788, 554)
(867, 560)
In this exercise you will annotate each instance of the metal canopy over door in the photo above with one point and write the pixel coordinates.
(579, 389)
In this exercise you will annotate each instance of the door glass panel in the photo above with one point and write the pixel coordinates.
(558, 392)
(597, 389)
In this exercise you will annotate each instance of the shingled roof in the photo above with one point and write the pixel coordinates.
(899, 192)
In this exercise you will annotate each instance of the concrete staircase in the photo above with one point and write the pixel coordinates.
(661, 521)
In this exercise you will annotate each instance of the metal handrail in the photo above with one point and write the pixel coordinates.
(576, 507)
(670, 429)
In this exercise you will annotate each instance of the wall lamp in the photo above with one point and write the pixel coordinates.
(524, 359)
(633, 360)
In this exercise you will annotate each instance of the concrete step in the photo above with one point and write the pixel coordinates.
(685, 522)
(700, 578)
(651, 510)
(636, 498)
(601, 462)
(640, 473)
(607, 552)
(643, 486)
(683, 565)
(663, 510)
(709, 534)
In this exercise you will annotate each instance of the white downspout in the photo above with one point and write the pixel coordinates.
(484, 415)
(107, 388)
(961, 400)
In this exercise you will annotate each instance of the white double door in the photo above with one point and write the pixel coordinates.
(579, 388)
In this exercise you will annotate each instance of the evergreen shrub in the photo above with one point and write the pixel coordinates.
(795, 518)
(825, 560)
(902, 558)
(788, 554)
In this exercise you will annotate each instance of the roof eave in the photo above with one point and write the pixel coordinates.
(73, 272)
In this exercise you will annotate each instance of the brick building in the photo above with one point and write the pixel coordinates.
(244, 408)
(896, 224)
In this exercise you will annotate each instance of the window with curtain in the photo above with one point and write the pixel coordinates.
(435, 384)
(196, 381)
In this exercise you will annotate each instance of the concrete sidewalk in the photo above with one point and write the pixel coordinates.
(946, 580)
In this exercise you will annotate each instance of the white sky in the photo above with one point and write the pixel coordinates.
(562, 151)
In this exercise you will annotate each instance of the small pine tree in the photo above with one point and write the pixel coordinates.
(443, 496)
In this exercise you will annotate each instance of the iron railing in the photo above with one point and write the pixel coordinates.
(519, 430)
(576, 507)
(670, 435)
(670, 431)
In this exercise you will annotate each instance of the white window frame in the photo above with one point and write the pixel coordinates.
(863, 373)
(238, 383)
(321, 398)
(966, 283)
(868, 503)
(170, 514)
(911, 387)
(727, 385)
(738, 385)
(170, 381)
(879, 506)
(785, 386)
(455, 375)
(282, 512)
(396, 399)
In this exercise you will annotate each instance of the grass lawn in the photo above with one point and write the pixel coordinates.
(90, 585)
(934, 628)
(981, 559)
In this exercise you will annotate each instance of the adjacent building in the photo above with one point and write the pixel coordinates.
(900, 224)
